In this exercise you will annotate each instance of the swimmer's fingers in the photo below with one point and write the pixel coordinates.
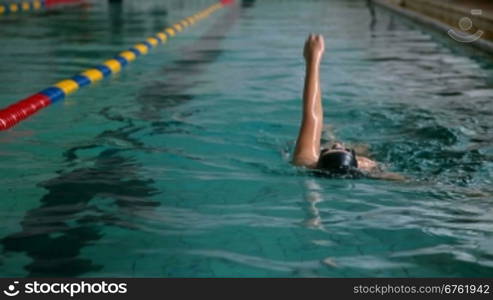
(307, 48)
(321, 40)
(319, 44)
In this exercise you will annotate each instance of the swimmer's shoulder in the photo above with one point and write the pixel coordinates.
(375, 171)
(366, 164)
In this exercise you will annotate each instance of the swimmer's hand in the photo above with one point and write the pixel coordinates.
(314, 48)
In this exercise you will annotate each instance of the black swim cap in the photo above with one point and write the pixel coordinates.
(338, 162)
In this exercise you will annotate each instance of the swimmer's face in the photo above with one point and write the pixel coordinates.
(338, 147)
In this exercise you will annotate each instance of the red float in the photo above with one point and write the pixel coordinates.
(22, 109)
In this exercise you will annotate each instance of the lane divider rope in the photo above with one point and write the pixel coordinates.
(22, 109)
(33, 5)
(22, 7)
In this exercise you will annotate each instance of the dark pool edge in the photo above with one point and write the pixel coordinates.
(439, 26)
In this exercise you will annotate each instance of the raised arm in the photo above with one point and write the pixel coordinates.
(307, 148)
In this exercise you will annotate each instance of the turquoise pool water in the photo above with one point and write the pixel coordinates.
(179, 166)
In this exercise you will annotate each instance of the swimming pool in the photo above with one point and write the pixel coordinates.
(179, 166)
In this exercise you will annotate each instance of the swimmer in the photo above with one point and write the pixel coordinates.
(337, 158)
